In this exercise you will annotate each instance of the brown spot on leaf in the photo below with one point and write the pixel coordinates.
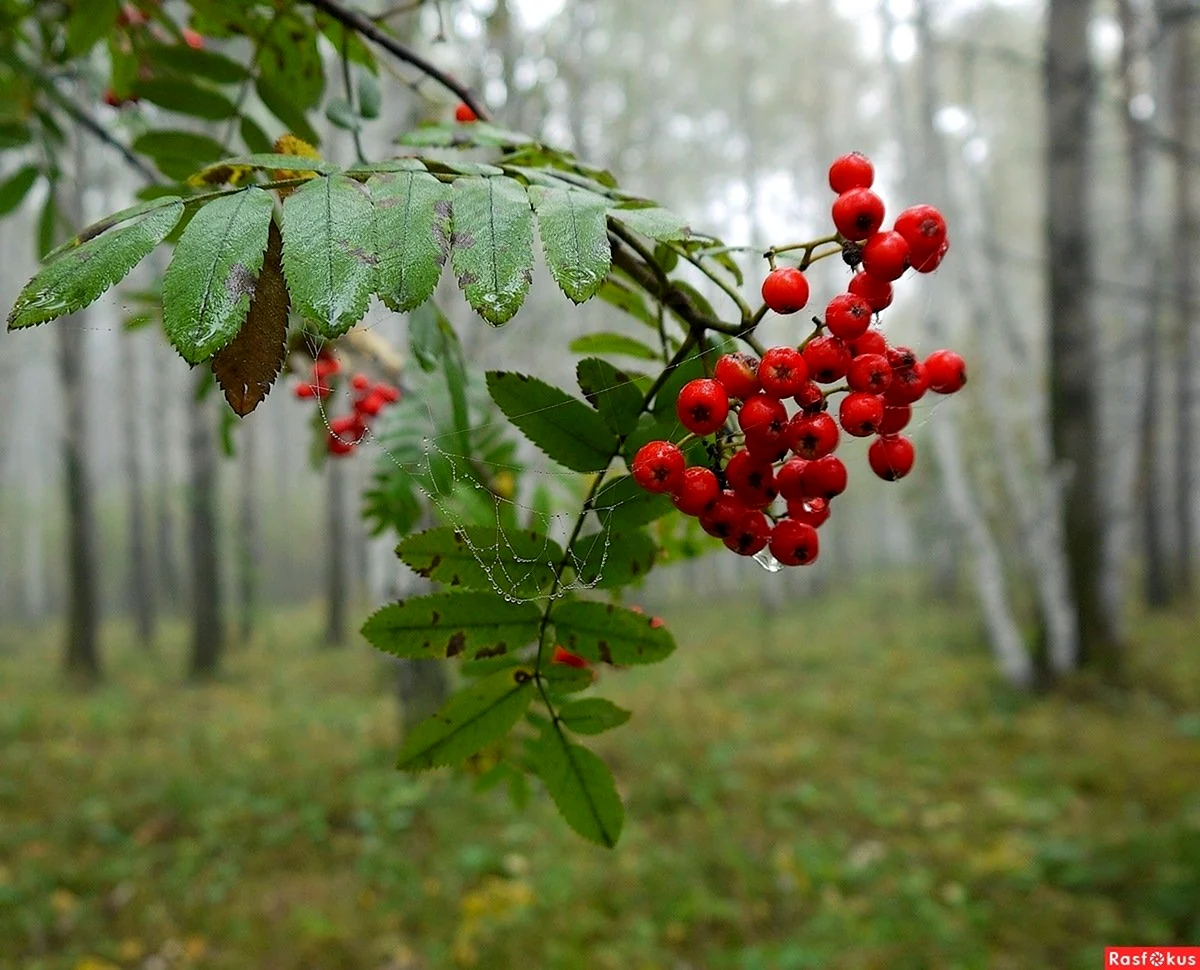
(484, 652)
(457, 642)
(605, 653)
(360, 255)
(436, 618)
(240, 282)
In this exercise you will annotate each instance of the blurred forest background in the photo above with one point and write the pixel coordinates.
(843, 766)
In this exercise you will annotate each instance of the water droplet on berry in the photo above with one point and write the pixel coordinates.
(767, 561)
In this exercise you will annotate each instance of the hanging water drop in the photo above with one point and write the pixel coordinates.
(767, 561)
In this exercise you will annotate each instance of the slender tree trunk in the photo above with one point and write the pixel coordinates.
(141, 581)
(1157, 575)
(1184, 100)
(249, 551)
(208, 629)
(1074, 355)
(166, 564)
(81, 657)
(335, 553)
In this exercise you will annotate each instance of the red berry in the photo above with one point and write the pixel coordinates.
(828, 358)
(785, 290)
(788, 479)
(782, 372)
(739, 375)
(658, 467)
(813, 511)
(702, 405)
(861, 413)
(877, 292)
(465, 114)
(848, 316)
(869, 372)
(752, 479)
(325, 367)
(891, 457)
(750, 534)
(825, 478)
(111, 99)
(811, 398)
(761, 414)
(853, 171)
(390, 392)
(928, 262)
(871, 342)
(337, 446)
(565, 657)
(360, 382)
(895, 418)
(305, 390)
(794, 543)
(370, 404)
(885, 256)
(697, 490)
(900, 357)
(923, 228)
(722, 515)
(813, 436)
(947, 371)
(193, 39)
(349, 427)
(909, 384)
(858, 213)
(322, 390)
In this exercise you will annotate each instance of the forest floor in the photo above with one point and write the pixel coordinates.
(847, 786)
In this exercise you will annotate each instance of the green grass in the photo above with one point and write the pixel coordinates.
(856, 792)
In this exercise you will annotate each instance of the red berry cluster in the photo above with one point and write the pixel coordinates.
(346, 431)
(777, 455)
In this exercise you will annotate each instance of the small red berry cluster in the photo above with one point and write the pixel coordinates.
(346, 431)
(777, 455)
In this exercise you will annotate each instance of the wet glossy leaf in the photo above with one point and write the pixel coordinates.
(612, 392)
(610, 561)
(209, 284)
(612, 343)
(653, 221)
(622, 504)
(473, 625)
(412, 235)
(574, 230)
(492, 245)
(581, 786)
(510, 562)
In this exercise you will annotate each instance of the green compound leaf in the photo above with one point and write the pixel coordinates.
(563, 426)
(653, 221)
(612, 392)
(79, 277)
(471, 720)
(582, 787)
(601, 631)
(608, 561)
(573, 226)
(467, 624)
(412, 236)
(505, 561)
(592, 715)
(612, 343)
(329, 252)
(208, 286)
(103, 225)
(492, 245)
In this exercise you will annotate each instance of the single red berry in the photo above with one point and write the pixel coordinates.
(464, 114)
(871, 342)
(750, 534)
(891, 457)
(326, 367)
(760, 413)
(811, 398)
(858, 214)
(349, 427)
(360, 382)
(923, 228)
(193, 39)
(337, 447)
(927, 262)
(702, 405)
(861, 413)
(697, 490)
(825, 478)
(909, 385)
(111, 99)
(390, 392)
(322, 390)
(848, 316)
(788, 479)
(877, 292)
(869, 372)
(568, 659)
(752, 479)
(947, 371)
(812, 511)
(813, 436)
(853, 171)
(895, 418)
(900, 357)
(782, 372)
(722, 515)
(305, 390)
(885, 256)
(794, 543)
(370, 404)
(658, 467)
(739, 375)
(828, 358)
(785, 290)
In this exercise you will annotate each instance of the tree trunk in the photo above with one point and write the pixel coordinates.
(81, 657)
(335, 553)
(208, 631)
(249, 552)
(1187, 255)
(166, 564)
(1074, 358)
(1157, 574)
(141, 579)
